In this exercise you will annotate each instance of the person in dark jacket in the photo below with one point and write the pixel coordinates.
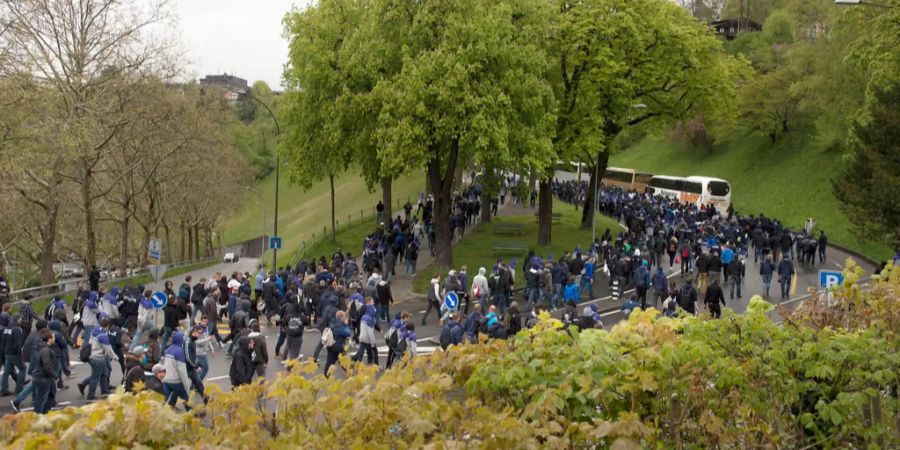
(512, 320)
(242, 368)
(171, 315)
(687, 297)
(13, 339)
(45, 374)
(736, 272)
(785, 273)
(766, 269)
(260, 349)
(295, 318)
(714, 299)
(60, 350)
(29, 353)
(128, 308)
(270, 297)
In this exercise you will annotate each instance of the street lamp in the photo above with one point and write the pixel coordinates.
(262, 228)
(277, 173)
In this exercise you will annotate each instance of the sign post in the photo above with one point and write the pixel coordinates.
(830, 278)
(157, 271)
(159, 299)
(155, 251)
(451, 300)
(275, 243)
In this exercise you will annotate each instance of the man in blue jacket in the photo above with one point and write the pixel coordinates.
(660, 289)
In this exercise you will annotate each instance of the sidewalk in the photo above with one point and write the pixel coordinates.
(401, 284)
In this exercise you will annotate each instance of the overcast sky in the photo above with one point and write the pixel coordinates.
(241, 37)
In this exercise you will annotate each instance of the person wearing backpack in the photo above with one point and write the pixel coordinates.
(660, 289)
(686, 258)
(473, 324)
(99, 352)
(687, 297)
(642, 283)
(242, 368)
(392, 337)
(295, 319)
(512, 320)
(368, 326)
(451, 333)
(339, 331)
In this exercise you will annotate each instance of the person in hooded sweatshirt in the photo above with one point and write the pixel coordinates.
(341, 331)
(129, 306)
(367, 328)
(146, 318)
(109, 305)
(90, 316)
(45, 374)
(29, 353)
(177, 382)
(480, 289)
(101, 352)
(242, 368)
(239, 321)
(13, 340)
(260, 349)
(60, 350)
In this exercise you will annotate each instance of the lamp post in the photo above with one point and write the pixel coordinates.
(277, 173)
(262, 227)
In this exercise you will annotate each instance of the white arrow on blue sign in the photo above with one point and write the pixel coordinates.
(159, 300)
(829, 278)
(451, 300)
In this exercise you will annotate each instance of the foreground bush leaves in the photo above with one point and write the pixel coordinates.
(828, 378)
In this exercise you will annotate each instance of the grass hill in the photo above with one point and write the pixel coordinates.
(790, 180)
(302, 213)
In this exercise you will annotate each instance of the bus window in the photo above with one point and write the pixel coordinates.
(719, 188)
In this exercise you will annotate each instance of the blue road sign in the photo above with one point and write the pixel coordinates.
(451, 300)
(275, 243)
(159, 299)
(829, 278)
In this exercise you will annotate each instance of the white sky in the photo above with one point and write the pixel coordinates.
(241, 37)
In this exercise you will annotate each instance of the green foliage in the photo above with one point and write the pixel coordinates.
(650, 382)
(869, 184)
(779, 28)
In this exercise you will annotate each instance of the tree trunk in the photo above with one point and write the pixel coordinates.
(333, 229)
(190, 244)
(441, 186)
(588, 210)
(209, 243)
(48, 249)
(183, 245)
(386, 184)
(487, 192)
(197, 242)
(168, 243)
(90, 233)
(123, 257)
(545, 212)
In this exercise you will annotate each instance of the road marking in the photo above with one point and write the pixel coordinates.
(31, 408)
(611, 313)
(223, 377)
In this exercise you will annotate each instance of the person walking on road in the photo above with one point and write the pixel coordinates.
(785, 273)
(766, 270)
(736, 272)
(714, 299)
(45, 373)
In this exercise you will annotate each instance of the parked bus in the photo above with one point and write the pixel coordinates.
(626, 178)
(695, 190)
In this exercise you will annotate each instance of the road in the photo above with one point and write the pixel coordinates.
(219, 364)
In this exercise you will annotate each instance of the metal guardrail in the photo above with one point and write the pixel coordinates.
(70, 285)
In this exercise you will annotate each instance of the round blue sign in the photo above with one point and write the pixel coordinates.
(451, 300)
(159, 300)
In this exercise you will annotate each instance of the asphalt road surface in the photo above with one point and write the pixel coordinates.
(428, 334)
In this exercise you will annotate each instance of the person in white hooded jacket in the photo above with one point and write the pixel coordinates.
(480, 289)
(368, 325)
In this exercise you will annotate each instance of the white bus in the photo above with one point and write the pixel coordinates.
(695, 190)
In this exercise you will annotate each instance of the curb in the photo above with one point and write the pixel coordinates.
(855, 254)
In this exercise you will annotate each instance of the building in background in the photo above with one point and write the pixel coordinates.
(233, 86)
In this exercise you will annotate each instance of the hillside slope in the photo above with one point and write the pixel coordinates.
(301, 213)
(789, 180)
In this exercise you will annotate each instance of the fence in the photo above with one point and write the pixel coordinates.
(70, 285)
(362, 216)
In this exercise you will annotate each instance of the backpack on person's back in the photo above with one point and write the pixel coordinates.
(327, 338)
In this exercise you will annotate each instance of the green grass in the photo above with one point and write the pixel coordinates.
(349, 239)
(476, 249)
(304, 214)
(790, 180)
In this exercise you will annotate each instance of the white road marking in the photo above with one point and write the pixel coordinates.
(31, 408)
(223, 377)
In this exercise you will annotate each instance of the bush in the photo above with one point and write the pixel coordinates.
(738, 382)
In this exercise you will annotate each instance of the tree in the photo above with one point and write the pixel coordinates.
(626, 63)
(471, 87)
(313, 143)
(91, 53)
(869, 184)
